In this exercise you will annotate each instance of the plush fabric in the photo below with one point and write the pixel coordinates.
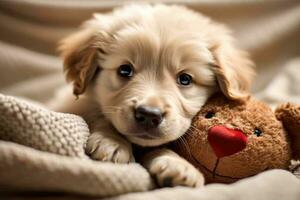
(231, 140)
(30, 68)
(290, 116)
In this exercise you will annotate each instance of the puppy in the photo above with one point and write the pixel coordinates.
(140, 73)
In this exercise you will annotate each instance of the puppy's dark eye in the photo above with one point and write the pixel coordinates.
(257, 132)
(184, 79)
(210, 115)
(125, 70)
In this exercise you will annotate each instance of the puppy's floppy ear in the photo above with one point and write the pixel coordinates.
(79, 52)
(233, 68)
(289, 115)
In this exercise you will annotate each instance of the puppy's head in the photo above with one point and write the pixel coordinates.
(157, 66)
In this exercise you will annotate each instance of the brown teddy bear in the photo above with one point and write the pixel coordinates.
(230, 140)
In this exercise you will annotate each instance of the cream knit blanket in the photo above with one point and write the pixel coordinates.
(35, 143)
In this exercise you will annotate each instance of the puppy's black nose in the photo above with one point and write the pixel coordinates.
(148, 117)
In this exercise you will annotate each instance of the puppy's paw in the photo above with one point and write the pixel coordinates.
(109, 149)
(174, 171)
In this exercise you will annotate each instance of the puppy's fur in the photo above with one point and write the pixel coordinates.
(160, 42)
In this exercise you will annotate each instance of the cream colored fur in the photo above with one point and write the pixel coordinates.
(160, 42)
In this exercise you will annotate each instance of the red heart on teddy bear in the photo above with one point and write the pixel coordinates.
(225, 141)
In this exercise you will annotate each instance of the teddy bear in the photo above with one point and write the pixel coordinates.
(229, 140)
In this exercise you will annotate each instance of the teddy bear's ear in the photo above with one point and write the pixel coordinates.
(289, 114)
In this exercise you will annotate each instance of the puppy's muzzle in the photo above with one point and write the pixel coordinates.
(148, 117)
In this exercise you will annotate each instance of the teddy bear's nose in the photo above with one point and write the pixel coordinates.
(225, 141)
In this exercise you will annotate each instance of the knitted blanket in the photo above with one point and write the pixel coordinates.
(41, 150)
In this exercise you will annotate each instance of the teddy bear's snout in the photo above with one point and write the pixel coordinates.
(226, 141)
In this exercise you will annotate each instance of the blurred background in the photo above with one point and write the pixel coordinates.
(30, 30)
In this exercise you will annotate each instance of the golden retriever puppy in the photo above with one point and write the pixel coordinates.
(140, 74)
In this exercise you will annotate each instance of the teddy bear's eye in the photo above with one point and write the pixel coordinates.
(257, 132)
(210, 115)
